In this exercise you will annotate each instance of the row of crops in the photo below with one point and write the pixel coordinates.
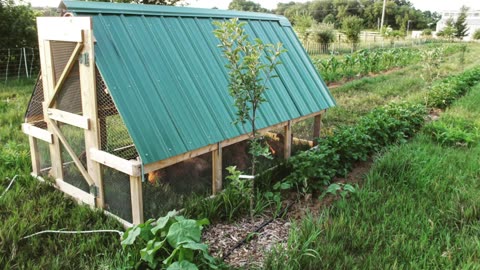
(364, 62)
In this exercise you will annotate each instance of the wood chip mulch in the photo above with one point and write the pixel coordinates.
(221, 238)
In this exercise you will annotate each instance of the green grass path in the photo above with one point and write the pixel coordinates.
(419, 208)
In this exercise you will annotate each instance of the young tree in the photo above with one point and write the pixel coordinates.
(324, 34)
(302, 21)
(352, 26)
(460, 24)
(448, 31)
(248, 79)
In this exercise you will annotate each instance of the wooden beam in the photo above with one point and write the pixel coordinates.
(70, 151)
(62, 28)
(37, 133)
(35, 155)
(130, 167)
(65, 73)
(179, 158)
(137, 199)
(287, 148)
(90, 110)
(48, 80)
(317, 126)
(217, 169)
(69, 118)
(206, 149)
(75, 192)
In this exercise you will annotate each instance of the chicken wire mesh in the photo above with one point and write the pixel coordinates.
(171, 187)
(114, 135)
(116, 188)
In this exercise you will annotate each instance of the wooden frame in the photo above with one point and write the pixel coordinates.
(212, 147)
(287, 147)
(69, 118)
(37, 133)
(130, 167)
(217, 169)
(137, 199)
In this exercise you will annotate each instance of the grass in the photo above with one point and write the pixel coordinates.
(30, 206)
(418, 209)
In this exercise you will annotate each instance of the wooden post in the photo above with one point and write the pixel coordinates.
(217, 169)
(35, 155)
(317, 126)
(48, 80)
(288, 140)
(89, 107)
(137, 199)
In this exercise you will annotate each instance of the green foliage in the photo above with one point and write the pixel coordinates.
(302, 21)
(449, 31)
(417, 209)
(461, 28)
(340, 189)
(248, 79)
(229, 204)
(329, 19)
(460, 133)
(427, 32)
(17, 24)
(352, 26)
(444, 92)
(170, 242)
(364, 62)
(476, 34)
(245, 5)
(336, 154)
(324, 34)
(431, 60)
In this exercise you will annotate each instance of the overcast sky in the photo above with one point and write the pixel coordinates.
(432, 5)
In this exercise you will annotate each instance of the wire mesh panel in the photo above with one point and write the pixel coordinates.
(117, 193)
(44, 157)
(171, 187)
(35, 109)
(114, 135)
(69, 99)
(76, 139)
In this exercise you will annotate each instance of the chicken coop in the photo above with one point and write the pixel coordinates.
(131, 112)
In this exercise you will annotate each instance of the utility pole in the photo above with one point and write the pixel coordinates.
(383, 15)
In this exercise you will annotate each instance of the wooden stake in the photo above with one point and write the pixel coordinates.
(35, 155)
(217, 170)
(137, 199)
(317, 126)
(288, 140)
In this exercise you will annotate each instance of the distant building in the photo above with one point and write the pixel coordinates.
(473, 21)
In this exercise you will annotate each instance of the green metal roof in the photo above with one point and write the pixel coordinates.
(168, 79)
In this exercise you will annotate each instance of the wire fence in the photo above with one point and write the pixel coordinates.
(367, 41)
(19, 63)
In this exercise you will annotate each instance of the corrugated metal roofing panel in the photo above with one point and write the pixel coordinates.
(168, 80)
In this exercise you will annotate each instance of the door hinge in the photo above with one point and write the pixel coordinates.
(84, 59)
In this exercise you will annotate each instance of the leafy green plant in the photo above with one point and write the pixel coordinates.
(248, 78)
(459, 133)
(340, 189)
(336, 154)
(444, 92)
(170, 242)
